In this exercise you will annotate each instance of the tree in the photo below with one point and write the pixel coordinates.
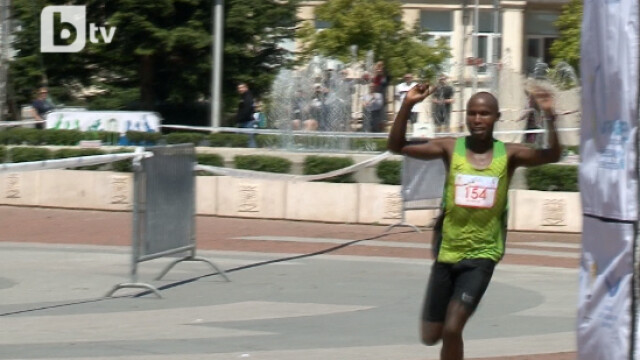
(567, 47)
(371, 25)
(160, 54)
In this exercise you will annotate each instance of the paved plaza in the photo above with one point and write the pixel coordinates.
(360, 301)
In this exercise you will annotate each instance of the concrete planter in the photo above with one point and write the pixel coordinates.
(254, 198)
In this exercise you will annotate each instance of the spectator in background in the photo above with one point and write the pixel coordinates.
(373, 106)
(318, 107)
(442, 100)
(300, 113)
(41, 106)
(381, 79)
(244, 116)
(401, 92)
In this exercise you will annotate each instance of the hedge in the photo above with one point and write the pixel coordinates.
(67, 153)
(209, 159)
(314, 164)
(553, 178)
(265, 163)
(26, 154)
(390, 172)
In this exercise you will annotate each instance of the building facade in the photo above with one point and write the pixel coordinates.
(486, 37)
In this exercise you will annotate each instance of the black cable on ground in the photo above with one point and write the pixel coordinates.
(188, 281)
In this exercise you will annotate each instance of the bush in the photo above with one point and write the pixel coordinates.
(229, 140)
(27, 154)
(211, 160)
(321, 164)
(109, 137)
(390, 172)
(61, 137)
(185, 138)
(3, 153)
(19, 136)
(264, 163)
(122, 165)
(67, 153)
(553, 178)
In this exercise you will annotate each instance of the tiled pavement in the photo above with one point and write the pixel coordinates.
(359, 301)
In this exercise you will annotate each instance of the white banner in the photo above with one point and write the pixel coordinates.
(606, 273)
(609, 68)
(118, 121)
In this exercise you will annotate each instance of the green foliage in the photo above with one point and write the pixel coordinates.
(109, 137)
(27, 154)
(390, 172)
(372, 25)
(209, 159)
(314, 164)
(122, 165)
(67, 153)
(185, 138)
(3, 153)
(553, 178)
(370, 144)
(228, 140)
(264, 163)
(19, 136)
(567, 47)
(160, 53)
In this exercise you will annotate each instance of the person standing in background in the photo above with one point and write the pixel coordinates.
(41, 106)
(401, 92)
(244, 116)
(442, 100)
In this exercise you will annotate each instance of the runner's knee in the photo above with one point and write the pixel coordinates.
(431, 333)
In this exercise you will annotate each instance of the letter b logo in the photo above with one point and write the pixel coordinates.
(74, 16)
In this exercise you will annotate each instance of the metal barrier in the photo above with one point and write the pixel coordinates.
(422, 186)
(164, 211)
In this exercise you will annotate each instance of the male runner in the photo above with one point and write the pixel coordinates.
(473, 223)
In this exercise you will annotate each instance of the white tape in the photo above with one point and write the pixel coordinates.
(70, 162)
(20, 123)
(336, 133)
(273, 176)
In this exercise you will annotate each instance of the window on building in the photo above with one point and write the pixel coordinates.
(489, 41)
(437, 25)
(540, 32)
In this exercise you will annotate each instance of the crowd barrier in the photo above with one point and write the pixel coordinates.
(164, 211)
(421, 187)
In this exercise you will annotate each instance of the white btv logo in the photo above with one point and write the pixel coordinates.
(76, 18)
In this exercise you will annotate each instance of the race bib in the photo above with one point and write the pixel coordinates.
(475, 191)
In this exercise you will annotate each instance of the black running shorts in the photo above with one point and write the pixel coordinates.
(465, 282)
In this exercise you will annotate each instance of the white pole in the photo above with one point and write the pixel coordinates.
(216, 71)
(495, 50)
(476, 24)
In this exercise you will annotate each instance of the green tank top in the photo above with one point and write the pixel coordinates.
(475, 207)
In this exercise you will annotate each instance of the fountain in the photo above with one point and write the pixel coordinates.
(316, 106)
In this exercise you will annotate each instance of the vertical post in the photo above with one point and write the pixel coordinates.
(495, 48)
(462, 81)
(476, 25)
(216, 69)
(4, 54)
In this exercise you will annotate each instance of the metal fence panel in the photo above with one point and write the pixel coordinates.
(166, 205)
(422, 183)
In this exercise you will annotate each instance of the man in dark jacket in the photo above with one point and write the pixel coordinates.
(244, 116)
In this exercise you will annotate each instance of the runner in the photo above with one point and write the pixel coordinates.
(471, 231)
